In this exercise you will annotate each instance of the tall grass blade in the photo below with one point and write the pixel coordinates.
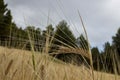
(89, 50)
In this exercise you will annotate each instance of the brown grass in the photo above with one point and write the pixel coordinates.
(21, 68)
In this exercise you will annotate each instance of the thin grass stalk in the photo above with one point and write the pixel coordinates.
(42, 69)
(47, 43)
(89, 50)
(14, 74)
(33, 52)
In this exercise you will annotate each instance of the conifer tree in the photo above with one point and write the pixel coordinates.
(5, 20)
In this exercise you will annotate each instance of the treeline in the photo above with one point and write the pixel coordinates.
(11, 35)
(108, 60)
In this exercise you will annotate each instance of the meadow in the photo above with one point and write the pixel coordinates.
(16, 64)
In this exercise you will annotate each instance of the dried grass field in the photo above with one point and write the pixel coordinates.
(17, 65)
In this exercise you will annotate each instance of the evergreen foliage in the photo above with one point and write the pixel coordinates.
(5, 20)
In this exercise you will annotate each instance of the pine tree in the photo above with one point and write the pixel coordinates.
(82, 42)
(95, 58)
(5, 20)
(116, 41)
(64, 36)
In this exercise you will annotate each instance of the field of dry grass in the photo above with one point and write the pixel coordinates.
(17, 65)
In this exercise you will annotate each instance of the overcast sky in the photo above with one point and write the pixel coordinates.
(101, 17)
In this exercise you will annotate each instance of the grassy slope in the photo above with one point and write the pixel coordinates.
(17, 65)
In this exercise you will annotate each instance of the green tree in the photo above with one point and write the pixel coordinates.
(13, 34)
(116, 45)
(38, 39)
(107, 57)
(31, 31)
(107, 48)
(95, 53)
(116, 41)
(38, 34)
(13, 30)
(5, 19)
(64, 36)
(48, 33)
(49, 38)
(35, 36)
(95, 57)
(82, 42)
(50, 30)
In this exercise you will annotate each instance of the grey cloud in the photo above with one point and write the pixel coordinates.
(101, 17)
